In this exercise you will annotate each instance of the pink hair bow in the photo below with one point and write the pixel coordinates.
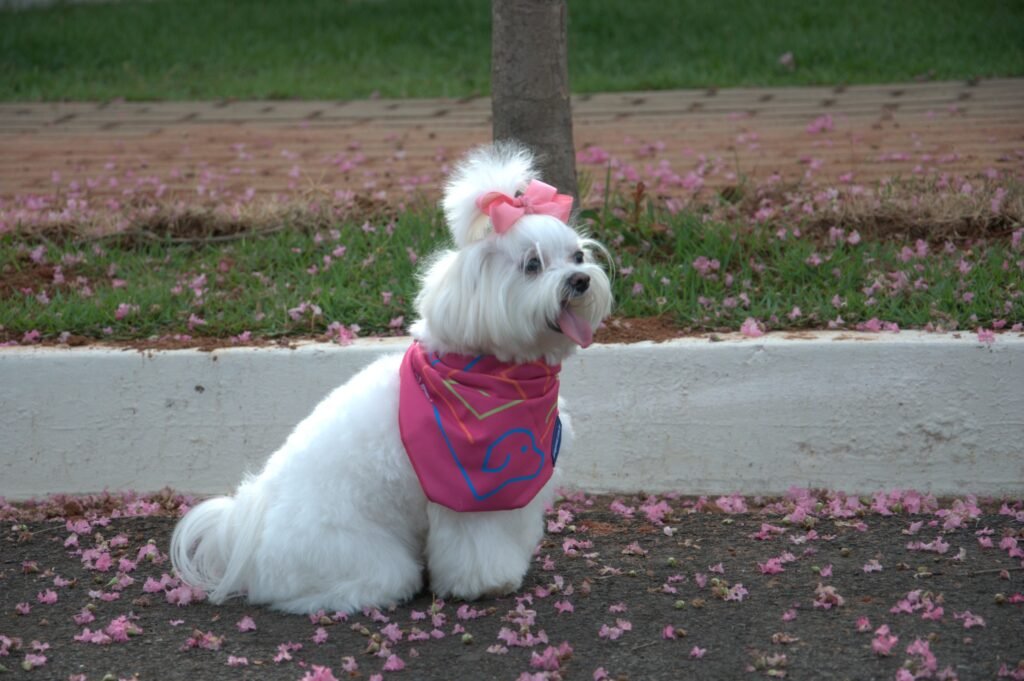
(538, 199)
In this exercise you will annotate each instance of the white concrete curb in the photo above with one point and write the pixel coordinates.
(857, 412)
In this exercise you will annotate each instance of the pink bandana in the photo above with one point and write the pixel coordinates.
(482, 435)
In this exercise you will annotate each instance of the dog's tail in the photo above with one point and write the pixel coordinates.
(212, 546)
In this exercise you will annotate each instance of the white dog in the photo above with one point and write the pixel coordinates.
(442, 458)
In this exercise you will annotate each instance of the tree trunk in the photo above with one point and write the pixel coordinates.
(530, 85)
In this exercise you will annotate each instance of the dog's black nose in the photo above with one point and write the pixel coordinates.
(579, 283)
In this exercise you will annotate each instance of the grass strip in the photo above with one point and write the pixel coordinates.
(317, 278)
(324, 49)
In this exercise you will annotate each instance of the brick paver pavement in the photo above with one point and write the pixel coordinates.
(394, 145)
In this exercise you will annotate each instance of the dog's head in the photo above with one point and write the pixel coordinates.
(522, 284)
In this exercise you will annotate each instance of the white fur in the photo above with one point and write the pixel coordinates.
(503, 167)
(337, 519)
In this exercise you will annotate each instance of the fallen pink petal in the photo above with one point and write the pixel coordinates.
(884, 641)
(246, 624)
(319, 673)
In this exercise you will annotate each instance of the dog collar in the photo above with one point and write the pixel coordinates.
(482, 435)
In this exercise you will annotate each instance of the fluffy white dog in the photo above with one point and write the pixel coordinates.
(443, 458)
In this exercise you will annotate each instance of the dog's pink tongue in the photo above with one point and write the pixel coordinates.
(576, 328)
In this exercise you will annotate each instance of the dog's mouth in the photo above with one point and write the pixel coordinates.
(575, 327)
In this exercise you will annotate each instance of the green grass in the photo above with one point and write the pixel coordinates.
(778, 275)
(251, 284)
(210, 49)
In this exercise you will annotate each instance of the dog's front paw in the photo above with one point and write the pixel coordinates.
(472, 588)
(476, 555)
(503, 589)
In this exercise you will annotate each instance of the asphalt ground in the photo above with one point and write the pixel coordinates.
(621, 588)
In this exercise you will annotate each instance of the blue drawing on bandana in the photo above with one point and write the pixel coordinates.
(513, 442)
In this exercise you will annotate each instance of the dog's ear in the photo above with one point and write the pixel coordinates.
(505, 167)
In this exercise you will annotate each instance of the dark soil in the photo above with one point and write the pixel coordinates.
(623, 580)
(614, 330)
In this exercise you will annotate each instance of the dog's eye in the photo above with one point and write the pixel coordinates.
(532, 266)
(577, 257)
